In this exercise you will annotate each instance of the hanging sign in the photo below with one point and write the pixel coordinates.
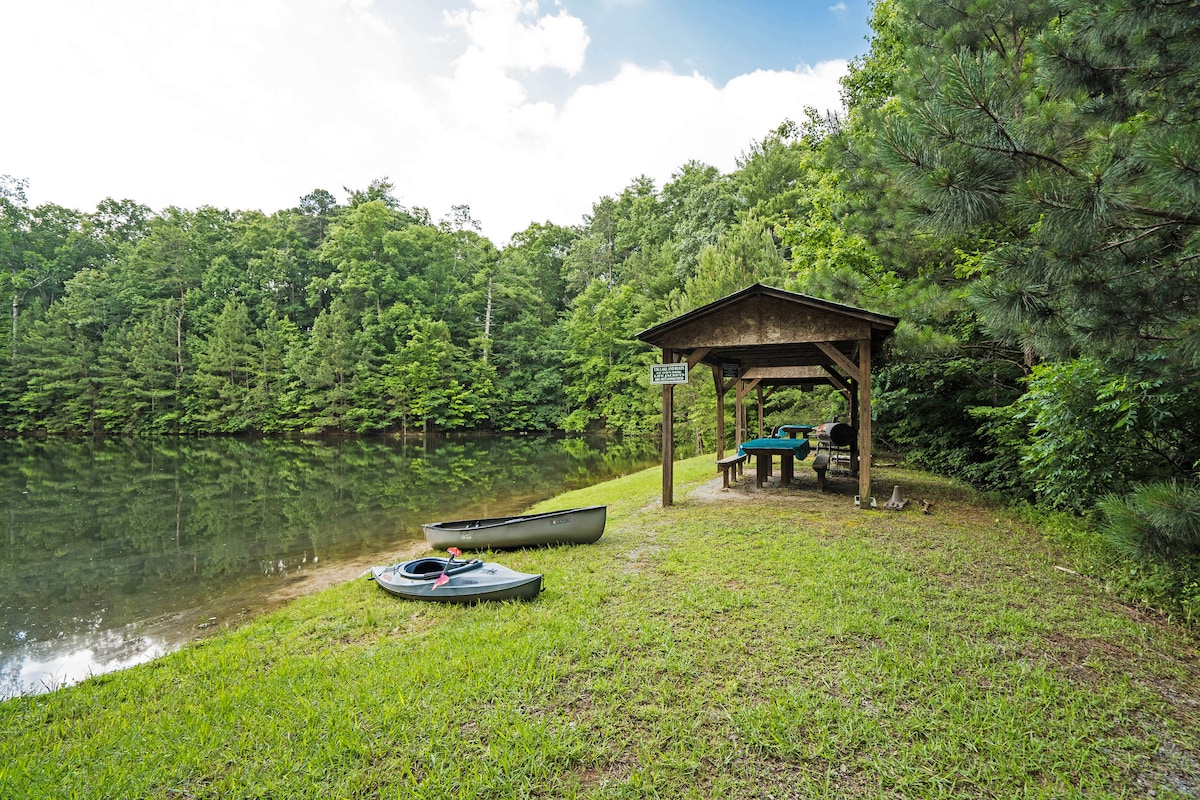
(668, 373)
(731, 370)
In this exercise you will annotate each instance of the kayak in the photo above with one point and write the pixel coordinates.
(465, 581)
(572, 526)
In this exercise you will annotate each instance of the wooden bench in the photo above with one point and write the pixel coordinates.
(819, 465)
(733, 462)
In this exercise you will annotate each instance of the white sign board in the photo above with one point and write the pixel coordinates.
(668, 373)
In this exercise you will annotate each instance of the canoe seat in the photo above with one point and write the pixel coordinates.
(735, 463)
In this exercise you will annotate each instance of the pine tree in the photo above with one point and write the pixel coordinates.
(326, 371)
(222, 374)
(61, 382)
(1064, 140)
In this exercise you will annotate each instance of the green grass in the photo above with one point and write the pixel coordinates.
(785, 646)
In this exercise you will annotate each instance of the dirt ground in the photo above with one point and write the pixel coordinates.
(837, 484)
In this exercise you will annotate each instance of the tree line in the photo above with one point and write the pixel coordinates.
(1017, 181)
(329, 317)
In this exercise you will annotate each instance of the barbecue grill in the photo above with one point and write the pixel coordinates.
(839, 441)
(834, 435)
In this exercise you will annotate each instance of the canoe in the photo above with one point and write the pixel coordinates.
(469, 581)
(572, 526)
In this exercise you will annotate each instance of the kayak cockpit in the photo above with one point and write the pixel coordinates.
(430, 568)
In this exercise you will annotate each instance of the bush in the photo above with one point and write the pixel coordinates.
(1094, 432)
(947, 417)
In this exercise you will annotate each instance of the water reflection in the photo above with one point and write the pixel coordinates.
(113, 552)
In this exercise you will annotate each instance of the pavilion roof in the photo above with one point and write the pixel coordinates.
(783, 336)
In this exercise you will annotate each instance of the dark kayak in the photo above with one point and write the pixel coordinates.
(466, 581)
(572, 526)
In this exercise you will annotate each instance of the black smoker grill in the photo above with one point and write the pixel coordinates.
(834, 434)
(838, 440)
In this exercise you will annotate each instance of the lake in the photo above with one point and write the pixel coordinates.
(116, 551)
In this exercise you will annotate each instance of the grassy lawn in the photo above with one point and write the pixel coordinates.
(744, 645)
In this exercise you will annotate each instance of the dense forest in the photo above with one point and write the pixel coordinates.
(1018, 182)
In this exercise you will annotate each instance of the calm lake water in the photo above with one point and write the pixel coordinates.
(113, 552)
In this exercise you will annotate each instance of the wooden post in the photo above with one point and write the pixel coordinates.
(760, 412)
(668, 437)
(852, 402)
(739, 425)
(719, 381)
(743, 389)
(864, 421)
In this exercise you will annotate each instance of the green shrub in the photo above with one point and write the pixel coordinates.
(1093, 432)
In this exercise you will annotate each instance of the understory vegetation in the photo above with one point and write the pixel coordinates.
(1016, 181)
(804, 649)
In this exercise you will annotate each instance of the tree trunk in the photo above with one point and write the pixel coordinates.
(487, 324)
(179, 337)
(12, 343)
(16, 305)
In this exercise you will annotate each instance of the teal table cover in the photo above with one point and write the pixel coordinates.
(764, 451)
(797, 448)
(790, 430)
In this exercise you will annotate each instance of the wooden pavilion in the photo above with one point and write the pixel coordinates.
(762, 338)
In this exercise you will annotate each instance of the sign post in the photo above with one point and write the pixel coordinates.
(668, 374)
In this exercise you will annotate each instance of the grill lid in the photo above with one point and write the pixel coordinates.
(834, 433)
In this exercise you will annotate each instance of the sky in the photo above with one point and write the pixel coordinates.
(524, 110)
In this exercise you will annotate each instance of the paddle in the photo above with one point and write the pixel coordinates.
(444, 578)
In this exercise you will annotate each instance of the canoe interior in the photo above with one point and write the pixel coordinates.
(496, 522)
(569, 526)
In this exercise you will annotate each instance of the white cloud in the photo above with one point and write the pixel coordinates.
(253, 103)
(224, 102)
(501, 38)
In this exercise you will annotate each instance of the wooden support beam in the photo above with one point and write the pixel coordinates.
(760, 412)
(716, 372)
(864, 421)
(852, 402)
(838, 357)
(668, 437)
(746, 387)
(738, 430)
(694, 357)
(838, 382)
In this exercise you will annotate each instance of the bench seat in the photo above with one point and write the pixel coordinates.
(735, 463)
(819, 465)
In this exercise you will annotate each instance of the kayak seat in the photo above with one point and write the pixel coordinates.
(430, 568)
(425, 566)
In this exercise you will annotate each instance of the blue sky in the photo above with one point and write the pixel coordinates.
(525, 110)
(723, 39)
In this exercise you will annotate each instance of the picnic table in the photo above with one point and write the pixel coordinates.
(792, 431)
(764, 451)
